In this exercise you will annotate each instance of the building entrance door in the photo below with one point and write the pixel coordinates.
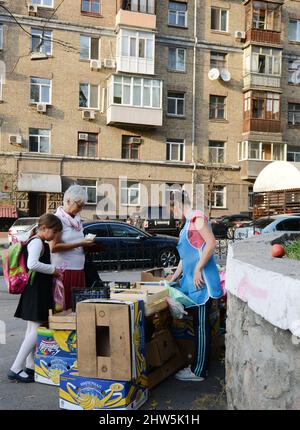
(37, 204)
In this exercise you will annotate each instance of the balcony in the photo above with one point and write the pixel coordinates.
(128, 18)
(253, 80)
(263, 36)
(134, 101)
(261, 125)
(250, 169)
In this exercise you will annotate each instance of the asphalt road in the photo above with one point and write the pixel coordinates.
(169, 395)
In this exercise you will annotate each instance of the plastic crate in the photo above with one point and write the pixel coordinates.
(98, 291)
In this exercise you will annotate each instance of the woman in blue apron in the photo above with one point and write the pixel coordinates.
(199, 279)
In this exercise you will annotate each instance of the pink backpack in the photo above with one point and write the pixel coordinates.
(16, 275)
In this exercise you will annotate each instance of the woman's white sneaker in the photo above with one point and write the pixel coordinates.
(187, 375)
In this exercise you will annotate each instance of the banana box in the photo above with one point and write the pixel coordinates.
(56, 343)
(47, 370)
(81, 393)
(183, 329)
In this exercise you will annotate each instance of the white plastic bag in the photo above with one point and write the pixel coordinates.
(177, 309)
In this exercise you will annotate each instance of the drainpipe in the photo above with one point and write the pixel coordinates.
(194, 102)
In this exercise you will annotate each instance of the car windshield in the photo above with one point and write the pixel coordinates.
(263, 222)
(25, 221)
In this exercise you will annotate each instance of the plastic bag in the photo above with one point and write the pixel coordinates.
(177, 309)
(58, 295)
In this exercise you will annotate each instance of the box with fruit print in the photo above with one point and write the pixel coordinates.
(47, 370)
(59, 343)
(81, 393)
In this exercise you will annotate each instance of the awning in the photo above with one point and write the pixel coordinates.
(39, 182)
(8, 212)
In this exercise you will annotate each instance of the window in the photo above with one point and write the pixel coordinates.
(219, 197)
(39, 140)
(99, 229)
(266, 16)
(132, 91)
(143, 6)
(91, 6)
(89, 48)
(266, 60)
(294, 72)
(87, 144)
(130, 149)
(118, 230)
(1, 87)
(175, 150)
(218, 60)
(219, 19)
(46, 3)
(293, 154)
(250, 197)
(176, 104)
(217, 107)
(178, 14)
(294, 30)
(289, 225)
(177, 59)
(262, 151)
(89, 96)
(1, 36)
(40, 90)
(260, 105)
(136, 44)
(91, 190)
(41, 41)
(294, 114)
(130, 193)
(216, 151)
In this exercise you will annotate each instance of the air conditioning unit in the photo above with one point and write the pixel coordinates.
(41, 107)
(95, 64)
(88, 114)
(136, 140)
(32, 9)
(83, 136)
(109, 63)
(240, 34)
(15, 139)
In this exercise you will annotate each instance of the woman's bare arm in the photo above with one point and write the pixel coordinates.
(57, 246)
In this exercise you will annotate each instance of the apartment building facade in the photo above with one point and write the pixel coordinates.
(131, 97)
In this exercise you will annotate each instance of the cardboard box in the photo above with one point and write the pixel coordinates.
(111, 341)
(65, 320)
(157, 274)
(183, 329)
(167, 369)
(60, 343)
(187, 350)
(160, 349)
(81, 393)
(47, 370)
(152, 294)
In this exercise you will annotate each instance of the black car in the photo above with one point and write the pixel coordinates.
(122, 246)
(157, 220)
(223, 227)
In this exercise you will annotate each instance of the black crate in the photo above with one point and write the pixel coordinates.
(100, 291)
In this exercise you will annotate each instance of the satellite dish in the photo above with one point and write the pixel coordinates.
(213, 74)
(225, 75)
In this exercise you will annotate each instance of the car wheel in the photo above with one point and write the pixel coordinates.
(230, 233)
(168, 258)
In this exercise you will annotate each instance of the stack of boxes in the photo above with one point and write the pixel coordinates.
(111, 358)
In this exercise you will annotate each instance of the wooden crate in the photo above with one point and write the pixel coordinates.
(152, 294)
(65, 320)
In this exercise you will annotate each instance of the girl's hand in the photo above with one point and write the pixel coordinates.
(198, 280)
(58, 274)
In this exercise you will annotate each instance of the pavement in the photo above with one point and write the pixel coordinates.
(171, 394)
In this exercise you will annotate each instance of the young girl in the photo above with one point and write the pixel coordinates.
(36, 299)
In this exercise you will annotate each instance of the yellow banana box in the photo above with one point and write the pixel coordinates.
(47, 370)
(56, 343)
(81, 393)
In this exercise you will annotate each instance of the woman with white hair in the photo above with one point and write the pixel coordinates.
(68, 248)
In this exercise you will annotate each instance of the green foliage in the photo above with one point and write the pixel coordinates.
(292, 250)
